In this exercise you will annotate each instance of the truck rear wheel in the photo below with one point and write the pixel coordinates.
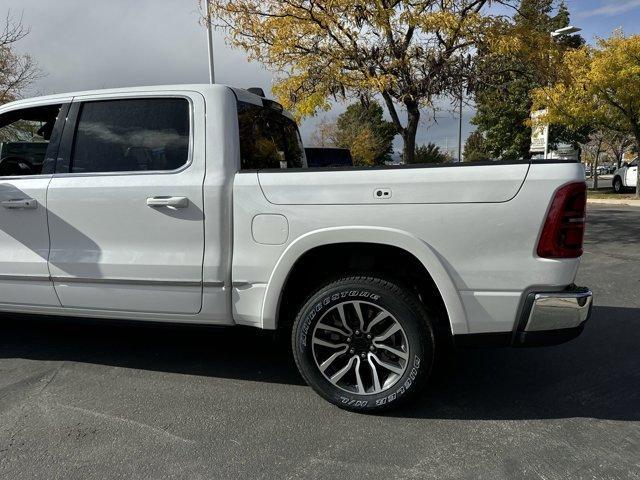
(363, 343)
(617, 185)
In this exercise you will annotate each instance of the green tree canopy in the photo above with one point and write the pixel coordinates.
(506, 79)
(363, 130)
(599, 89)
(431, 153)
(475, 149)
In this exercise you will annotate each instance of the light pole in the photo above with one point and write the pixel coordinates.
(460, 124)
(212, 73)
(462, 64)
(570, 30)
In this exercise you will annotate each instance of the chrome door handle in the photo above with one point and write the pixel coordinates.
(172, 202)
(24, 203)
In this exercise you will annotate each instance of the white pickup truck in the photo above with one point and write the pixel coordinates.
(625, 177)
(194, 204)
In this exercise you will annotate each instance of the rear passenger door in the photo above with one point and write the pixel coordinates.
(126, 205)
(29, 138)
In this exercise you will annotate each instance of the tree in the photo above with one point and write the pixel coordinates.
(617, 144)
(593, 149)
(407, 52)
(507, 78)
(599, 87)
(16, 71)
(430, 153)
(325, 134)
(475, 149)
(362, 128)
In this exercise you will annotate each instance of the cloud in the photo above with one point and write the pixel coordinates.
(612, 8)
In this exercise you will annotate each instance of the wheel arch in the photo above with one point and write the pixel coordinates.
(422, 252)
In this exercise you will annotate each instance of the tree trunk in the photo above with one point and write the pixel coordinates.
(409, 133)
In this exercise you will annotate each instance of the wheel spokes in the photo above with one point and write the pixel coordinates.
(374, 374)
(356, 306)
(336, 377)
(388, 366)
(388, 332)
(327, 363)
(396, 352)
(359, 383)
(324, 343)
(343, 341)
(330, 328)
(381, 316)
(343, 317)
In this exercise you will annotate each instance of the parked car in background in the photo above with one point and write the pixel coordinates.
(195, 204)
(626, 177)
(319, 157)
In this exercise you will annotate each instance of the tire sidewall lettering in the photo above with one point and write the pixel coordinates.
(412, 378)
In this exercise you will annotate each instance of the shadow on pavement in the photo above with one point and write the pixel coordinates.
(597, 375)
(236, 353)
(608, 226)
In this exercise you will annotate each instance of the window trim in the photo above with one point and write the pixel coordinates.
(71, 130)
(58, 130)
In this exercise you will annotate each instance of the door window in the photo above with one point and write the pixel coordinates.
(131, 135)
(25, 138)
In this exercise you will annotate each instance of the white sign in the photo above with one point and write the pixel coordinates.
(539, 133)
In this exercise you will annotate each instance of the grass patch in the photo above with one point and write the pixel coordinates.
(610, 195)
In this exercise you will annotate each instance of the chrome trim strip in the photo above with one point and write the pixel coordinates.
(24, 278)
(113, 281)
(559, 311)
(127, 281)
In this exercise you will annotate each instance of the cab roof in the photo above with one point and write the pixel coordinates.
(241, 94)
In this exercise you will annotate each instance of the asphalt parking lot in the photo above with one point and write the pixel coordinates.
(91, 401)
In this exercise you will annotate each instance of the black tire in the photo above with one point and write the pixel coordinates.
(617, 185)
(414, 339)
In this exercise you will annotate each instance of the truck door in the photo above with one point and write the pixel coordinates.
(29, 139)
(126, 204)
(632, 175)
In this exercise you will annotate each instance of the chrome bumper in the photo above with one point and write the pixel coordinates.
(559, 311)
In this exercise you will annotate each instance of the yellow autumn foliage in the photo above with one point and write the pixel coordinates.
(599, 87)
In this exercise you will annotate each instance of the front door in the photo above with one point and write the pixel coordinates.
(126, 205)
(28, 147)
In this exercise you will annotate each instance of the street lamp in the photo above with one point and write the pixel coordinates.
(570, 30)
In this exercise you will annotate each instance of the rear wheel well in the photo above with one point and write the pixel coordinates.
(322, 264)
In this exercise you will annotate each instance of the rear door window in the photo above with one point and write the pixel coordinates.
(132, 135)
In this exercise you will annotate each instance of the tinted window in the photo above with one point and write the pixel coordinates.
(131, 135)
(328, 157)
(268, 139)
(24, 139)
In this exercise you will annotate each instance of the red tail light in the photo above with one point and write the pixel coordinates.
(563, 232)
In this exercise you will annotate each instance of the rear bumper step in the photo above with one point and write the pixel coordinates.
(548, 318)
(552, 318)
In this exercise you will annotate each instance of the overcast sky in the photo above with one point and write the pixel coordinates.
(83, 45)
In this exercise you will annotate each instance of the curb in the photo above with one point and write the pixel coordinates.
(606, 201)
